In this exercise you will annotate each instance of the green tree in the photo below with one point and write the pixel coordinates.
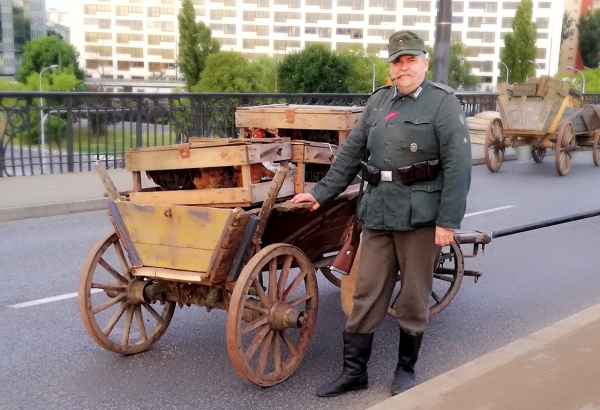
(519, 45)
(265, 68)
(229, 72)
(589, 33)
(195, 44)
(45, 51)
(55, 33)
(316, 69)
(362, 63)
(567, 27)
(460, 75)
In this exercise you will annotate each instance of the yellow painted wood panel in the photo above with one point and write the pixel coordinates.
(197, 260)
(194, 197)
(176, 226)
(171, 274)
(207, 157)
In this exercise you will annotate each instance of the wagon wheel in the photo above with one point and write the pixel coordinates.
(565, 147)
(447, 280)
(494, 145)
(112, 316)
(596, 147)
(282, 318)
(538, 154)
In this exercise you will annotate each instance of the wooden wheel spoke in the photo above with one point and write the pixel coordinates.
(140, 323)
(277, 352)
(283, 278)
(299, 300)
(108, 287)
(108, 304)
(112, 271)
(122, 259)
(273, 280)
(255, 308)
(435, 296)
(444, 278)
(256, 341)
(261, 293)
(154, 314)
(261, 321)
(114, 319)
(127, 325)
(264, 353)
(294, 285)
(288, 343)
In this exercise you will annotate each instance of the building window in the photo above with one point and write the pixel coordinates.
(156, 39)
(104, 51)
(155, 66)
(282, 16)
(137, 25)
(458, 6)
(544, 5)
(227, 41)
(291, 4)
(126, 10)
(353, 4)
(126, 65)
(167, 26)
(323, 4)
(347, 18)
(457, 19)
(356, 33)
(253, 15)
(510, 5)
(456, 36)
(543, 22)
(507, 22)
(95, 63)
(159, 11)
(125, 38)
(378, 19)
(253, 43)
(412, 20)
(164, 53)
(316, 17)
(94, 37)
(132, 51)
(94, 8)
(419, 5)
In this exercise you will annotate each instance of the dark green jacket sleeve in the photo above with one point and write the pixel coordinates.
(455, 154)
(346, 165)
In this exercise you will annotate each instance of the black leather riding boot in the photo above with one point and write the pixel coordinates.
(408, 353)
(357, 351)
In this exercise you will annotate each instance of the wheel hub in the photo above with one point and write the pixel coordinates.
(282, 316)
(135, 291)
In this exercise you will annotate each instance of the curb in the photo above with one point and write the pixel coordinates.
(65, 208)
(60, 208)
(430, 393)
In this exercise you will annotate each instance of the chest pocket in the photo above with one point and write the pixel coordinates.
(418, 132)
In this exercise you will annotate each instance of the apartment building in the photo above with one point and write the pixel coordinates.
(20, 21)
(569, 52)
(137, 39)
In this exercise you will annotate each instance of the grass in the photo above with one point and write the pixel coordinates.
(115, 141)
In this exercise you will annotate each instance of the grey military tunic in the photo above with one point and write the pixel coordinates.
(400, 130)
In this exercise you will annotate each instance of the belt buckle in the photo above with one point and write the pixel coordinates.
(386, 176)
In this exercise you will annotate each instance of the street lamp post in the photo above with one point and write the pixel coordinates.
(533, 62)
(550, 51)
(373, 80)
(506, 67)
(42, 113)
(582, 76)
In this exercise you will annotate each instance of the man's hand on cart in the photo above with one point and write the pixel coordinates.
(443, 236)
(306, 197)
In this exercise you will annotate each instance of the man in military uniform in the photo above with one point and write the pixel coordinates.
(418, 175)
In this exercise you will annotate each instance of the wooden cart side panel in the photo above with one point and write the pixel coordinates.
(176, 237)
(226, 253)
(332, 120)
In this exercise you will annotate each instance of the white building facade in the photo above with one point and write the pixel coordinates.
(137, 39)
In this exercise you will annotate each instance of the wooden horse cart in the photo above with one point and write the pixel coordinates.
(543, 113)
(246, 250)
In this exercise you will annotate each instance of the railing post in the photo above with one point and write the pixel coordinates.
(138, 123)
(197, 110)
(70, 148)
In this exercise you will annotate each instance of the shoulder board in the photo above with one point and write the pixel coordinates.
(381, 88)
(444, 87)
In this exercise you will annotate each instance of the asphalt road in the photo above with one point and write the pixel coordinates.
(530, 280)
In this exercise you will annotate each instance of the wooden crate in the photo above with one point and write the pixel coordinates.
(307, 155)
(202, 153)
(276, 117)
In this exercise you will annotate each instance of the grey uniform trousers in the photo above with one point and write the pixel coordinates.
(382, 254)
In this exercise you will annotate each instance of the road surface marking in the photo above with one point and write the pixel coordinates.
(489, 210)
(48, 300)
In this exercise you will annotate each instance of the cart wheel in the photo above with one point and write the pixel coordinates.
(282, 318)
(449, 275)
(494, 145)
(596, 147)
(565, 147)
(330, 276)
(538, 154)
(105, 294)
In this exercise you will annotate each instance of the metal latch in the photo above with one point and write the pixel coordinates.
(184, 151)
(289, 115)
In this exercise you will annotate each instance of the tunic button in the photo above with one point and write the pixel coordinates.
(387, 143)
(386, 160)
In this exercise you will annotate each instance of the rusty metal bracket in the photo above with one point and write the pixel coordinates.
(289, 115)
(184, 151)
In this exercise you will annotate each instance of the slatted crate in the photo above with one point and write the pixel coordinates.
(219, 172)
(316, 132)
